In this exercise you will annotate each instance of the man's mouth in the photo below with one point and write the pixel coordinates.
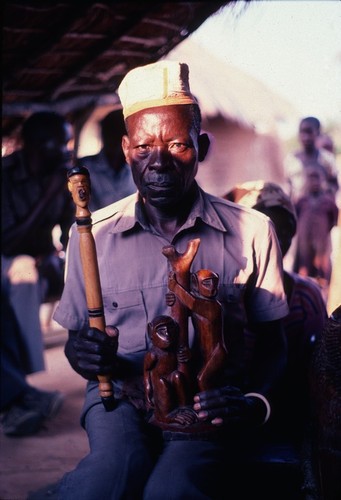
(159, 186)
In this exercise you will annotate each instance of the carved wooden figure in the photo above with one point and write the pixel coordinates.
(171, 379)
(165, 385)
(207, 321)
(80, 187)
(181, 265)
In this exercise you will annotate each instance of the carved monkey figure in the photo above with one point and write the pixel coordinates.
(207, 320)
(165, 385)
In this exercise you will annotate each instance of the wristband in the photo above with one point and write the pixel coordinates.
(265, 401)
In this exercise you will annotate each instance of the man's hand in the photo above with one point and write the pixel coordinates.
(95, 351)
(229, 405)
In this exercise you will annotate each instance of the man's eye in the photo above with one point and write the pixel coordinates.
(177, 147)
(142, 148)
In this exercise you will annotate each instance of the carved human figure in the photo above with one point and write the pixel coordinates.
(165, 385)
(207, 321)
(79, 185)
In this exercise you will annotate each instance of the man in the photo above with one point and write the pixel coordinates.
(309, 155)
(24, 408)
(307, 311)
(34, 201)
(111, 177)
(163, 146)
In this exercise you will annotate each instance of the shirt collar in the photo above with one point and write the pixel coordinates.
(129, 213)
(203, 209)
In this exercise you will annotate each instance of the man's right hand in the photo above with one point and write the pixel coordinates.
(95, 351)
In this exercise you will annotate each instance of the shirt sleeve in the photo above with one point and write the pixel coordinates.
(71, 312)
(266, 299)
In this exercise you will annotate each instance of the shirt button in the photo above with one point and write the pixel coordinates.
(114, 304)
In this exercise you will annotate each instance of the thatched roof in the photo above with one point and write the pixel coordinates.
(68, 54)
(226, 91)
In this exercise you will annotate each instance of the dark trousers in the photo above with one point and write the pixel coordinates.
(12, 364)
(122, 463)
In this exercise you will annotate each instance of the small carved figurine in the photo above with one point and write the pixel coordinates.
(79, 185)
(207, 321)
(165, 385)
(181, 264)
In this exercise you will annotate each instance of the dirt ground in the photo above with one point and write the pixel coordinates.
(30, 463)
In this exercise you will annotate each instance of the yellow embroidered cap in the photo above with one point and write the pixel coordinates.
(163, 83)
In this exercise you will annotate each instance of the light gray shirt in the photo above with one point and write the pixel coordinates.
(236, 242)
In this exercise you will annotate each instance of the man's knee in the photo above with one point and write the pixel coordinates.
(23, 270)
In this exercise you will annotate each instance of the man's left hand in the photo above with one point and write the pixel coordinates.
(229, 405)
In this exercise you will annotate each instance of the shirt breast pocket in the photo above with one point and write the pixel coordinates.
(126, 311)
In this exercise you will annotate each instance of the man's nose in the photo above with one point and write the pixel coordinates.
(160, 158)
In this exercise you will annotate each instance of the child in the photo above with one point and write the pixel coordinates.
(317, 213)
(310, 155)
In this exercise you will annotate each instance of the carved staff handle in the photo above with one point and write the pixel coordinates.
(79, 186)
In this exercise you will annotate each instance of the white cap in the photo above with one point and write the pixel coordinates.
(163, 83)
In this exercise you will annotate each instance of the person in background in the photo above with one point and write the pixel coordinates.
(317, 214)
(325, 141)
(310, 155)
(24, 409)
(110, 175)
(164, 145)
(34, 201)
(307, 311)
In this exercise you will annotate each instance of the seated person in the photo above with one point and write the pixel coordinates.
(34, 201)
(164, 145)
(307, 311)
(24, 408)
(110, 175)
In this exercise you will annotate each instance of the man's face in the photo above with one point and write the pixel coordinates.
(55, 147)
(308, 134)
(162, 148)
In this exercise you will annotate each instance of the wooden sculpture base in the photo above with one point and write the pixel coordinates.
(195, 427)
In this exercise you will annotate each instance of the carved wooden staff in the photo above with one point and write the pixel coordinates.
(79, 186)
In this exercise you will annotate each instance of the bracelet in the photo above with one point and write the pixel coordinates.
(265, 401)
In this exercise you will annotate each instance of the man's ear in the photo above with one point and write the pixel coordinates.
(204, 145)
(125, 148)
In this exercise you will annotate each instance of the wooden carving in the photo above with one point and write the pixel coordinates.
(165, 385)
(207, 319)
(181, 265)
(171, 379)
